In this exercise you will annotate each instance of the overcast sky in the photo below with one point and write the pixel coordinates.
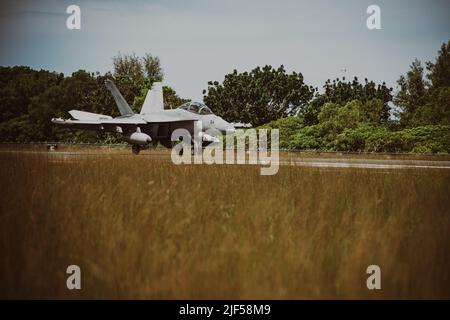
(202, 40)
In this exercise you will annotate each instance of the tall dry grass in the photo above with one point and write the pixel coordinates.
(142, 228)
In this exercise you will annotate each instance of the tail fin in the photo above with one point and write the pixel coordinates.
(121, 103)
(154, 99)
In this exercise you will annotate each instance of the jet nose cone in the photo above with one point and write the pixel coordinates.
(231, 129)
(225, 126)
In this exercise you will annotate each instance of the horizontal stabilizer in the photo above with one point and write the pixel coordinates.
(83, 115)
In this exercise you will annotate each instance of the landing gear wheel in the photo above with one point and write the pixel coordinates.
(135, 149)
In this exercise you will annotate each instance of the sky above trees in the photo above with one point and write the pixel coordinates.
(199, 41)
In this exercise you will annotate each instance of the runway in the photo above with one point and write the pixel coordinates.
(295, 160)
(368, 163)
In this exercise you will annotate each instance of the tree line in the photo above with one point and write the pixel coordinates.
(345, 115)
(30, 98)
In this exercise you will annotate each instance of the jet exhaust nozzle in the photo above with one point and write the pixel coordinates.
(138, 138)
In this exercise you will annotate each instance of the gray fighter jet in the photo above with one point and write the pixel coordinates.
(153, 124)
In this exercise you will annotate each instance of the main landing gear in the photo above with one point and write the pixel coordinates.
(135, 149)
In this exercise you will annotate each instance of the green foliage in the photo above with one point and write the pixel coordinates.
(138, 100)
(372, 111)
(340, 92)
(258, 97)
(18, 85)
(424, 102)
(152, 67)
(288, 127)
(346, 116)
(171, 99)
(347, 128)
(424, 139)
(354, 139)
(412, 93)
(308, 138)
(129, 66)
(350, 116)
(436, 110)
(30, 98)
(440, 70)
(134, 76)
(333, 118)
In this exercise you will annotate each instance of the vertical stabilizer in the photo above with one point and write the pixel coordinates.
(121, 103)
(154, 101)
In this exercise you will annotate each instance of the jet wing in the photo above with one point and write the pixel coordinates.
(111, 125)
(83, 115)
(78, 124)
(96, 122)
(174, 115)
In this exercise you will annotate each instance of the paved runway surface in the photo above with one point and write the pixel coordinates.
(369, 163)
(342, 162)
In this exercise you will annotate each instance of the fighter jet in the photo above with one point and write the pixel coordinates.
(153, 124)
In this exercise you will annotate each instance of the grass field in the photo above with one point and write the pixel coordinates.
(150, 229)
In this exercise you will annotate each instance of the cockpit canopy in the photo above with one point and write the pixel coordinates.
(196, 107)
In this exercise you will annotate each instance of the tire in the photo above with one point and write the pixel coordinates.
(135, 149)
